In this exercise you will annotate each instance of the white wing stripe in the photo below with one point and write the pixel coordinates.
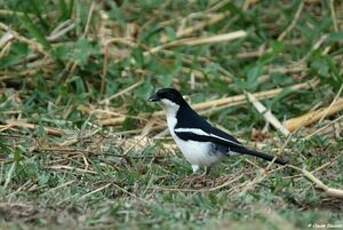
(201, 132)
(191, 130)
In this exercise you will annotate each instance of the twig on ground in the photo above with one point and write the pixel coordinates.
(61, 30)
(316, 46)
(95, 191)
(320, 130)
(66, 150)
(60, 186)
(34, 45)
(7, 37)
(337, 193)
(9, 175)
(89, 18)
(333, 15)
(141, 138)
(198, 41)
(128, 89)
(266, 172)
(250, 184)
(61, 167)
(293, 23)
(130, 193)
(190, 30)
(22, 124)
(267, 114)
(77, 139)
(248, 3)
(332, 103)
(225, 184)
(241, 99)
(316, 170)
(294, 124)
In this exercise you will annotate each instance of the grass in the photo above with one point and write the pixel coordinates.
(80, 146)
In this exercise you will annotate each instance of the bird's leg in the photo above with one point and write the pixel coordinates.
(191, 178)
(198, 177)
(207, 171)
(195, 168)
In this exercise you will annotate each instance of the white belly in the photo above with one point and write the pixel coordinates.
(196, 153)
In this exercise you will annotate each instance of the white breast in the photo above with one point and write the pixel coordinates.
(196, 153)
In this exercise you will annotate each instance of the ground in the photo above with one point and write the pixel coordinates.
(80, 146)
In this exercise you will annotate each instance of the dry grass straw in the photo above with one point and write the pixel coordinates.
(267, 114)
(210, 20)
(294, 124)
(199, 41)
(130, 88)
(70, 168)
(334, 127)
(22, 124)
(241, 99)
(293, 23)
(33, 44)
(337, 193)
(8, 36)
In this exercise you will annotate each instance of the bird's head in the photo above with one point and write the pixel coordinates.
(169, 98)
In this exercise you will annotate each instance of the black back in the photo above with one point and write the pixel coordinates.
(187, 117)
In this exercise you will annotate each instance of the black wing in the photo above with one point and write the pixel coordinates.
(187, 117)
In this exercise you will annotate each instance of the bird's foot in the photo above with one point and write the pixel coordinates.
(194, 181)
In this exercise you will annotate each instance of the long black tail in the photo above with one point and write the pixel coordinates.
(255, 153)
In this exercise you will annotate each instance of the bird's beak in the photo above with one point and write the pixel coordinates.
(154, 98)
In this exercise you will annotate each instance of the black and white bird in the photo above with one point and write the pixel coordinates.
(201, 143)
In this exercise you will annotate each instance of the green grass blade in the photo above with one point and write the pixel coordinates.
(34, 30)
(64, 12)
